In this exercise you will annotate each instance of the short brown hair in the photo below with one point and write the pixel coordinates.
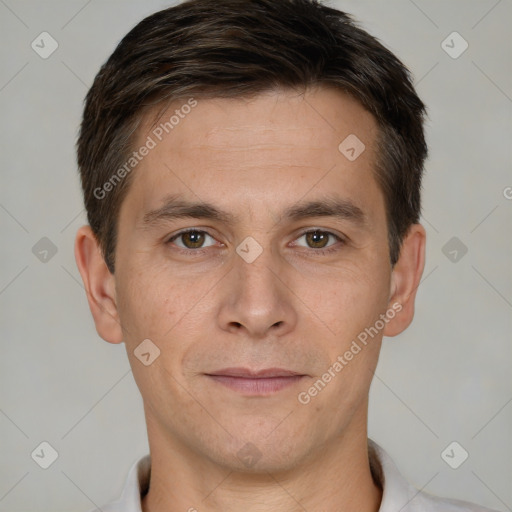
(230, 48)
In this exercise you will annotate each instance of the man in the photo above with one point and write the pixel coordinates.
(251, 173)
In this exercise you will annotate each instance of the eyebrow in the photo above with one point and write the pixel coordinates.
(175, 207)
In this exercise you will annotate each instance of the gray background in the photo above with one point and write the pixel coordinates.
(447, 378)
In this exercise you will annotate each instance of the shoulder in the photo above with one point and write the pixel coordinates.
(136, 485)
(424, 502)
(399, 495)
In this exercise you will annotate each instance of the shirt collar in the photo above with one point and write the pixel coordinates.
(397, 494)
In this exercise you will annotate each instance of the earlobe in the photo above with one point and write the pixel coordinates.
(405, 279)
(99, 285)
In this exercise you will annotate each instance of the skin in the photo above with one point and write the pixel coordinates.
(290, 308)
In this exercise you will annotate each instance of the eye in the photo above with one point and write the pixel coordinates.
(319, 240)
(192, 239)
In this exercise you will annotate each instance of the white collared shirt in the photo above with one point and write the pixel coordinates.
(398, 495)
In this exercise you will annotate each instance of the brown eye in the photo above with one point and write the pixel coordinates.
(317, 239)
(191, 239)
(320, 240)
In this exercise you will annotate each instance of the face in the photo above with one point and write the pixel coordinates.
(249, 241)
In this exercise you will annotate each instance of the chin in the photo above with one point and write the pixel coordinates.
(264, 453)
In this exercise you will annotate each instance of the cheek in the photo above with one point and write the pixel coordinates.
(157, 302)
(148, 304)
(345, 301)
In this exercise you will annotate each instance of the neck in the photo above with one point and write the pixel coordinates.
(337, 477)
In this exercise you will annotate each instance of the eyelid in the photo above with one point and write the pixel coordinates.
(326, 231)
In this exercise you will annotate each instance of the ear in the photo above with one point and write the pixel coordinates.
(405, 279)
(99, 285)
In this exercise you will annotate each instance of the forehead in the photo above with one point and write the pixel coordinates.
(255, 148)
(315, 118)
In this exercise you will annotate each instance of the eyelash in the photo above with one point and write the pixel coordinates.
(320, 252)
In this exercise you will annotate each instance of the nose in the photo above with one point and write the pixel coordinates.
(256, 299)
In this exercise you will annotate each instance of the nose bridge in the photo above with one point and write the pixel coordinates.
(256, 277)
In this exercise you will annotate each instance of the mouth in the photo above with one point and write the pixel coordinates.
(253, 383)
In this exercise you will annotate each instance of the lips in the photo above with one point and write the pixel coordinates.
(254, 374)
(255, 382)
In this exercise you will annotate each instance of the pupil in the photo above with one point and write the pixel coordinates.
(195, 238)
(318, 237)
